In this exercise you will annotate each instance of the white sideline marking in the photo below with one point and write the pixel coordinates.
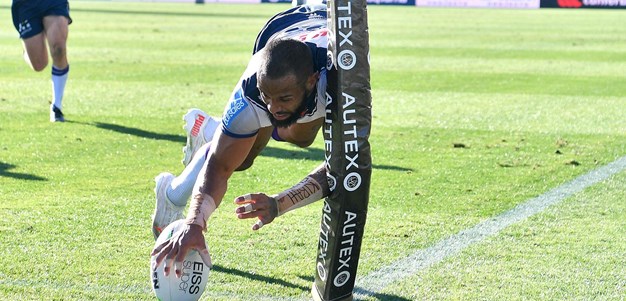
(376, 281)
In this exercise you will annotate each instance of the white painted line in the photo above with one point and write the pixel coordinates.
(376, 281)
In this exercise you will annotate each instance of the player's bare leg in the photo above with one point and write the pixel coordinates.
(35, 52)
(56, 32)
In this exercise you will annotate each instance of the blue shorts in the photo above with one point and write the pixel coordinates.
(28, 14)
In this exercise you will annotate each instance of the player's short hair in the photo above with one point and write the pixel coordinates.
(286, 56)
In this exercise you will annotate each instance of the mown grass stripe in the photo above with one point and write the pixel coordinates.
(376, 281)
(131, 289)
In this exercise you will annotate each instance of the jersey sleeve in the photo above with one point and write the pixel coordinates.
(240, 119)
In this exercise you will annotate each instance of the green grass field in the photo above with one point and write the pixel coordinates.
(536, 97)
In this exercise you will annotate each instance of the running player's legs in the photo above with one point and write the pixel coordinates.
(35, 52)
(38, 21)
(56, 31)
(55, 22)
(28, 23)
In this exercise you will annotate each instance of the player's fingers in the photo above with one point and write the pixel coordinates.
(252, 214)
(250, 207)
(178, 263)
(169, 260)
(247, 208)
(240, 210)
(167, 266)
(178, 266)
(206, 257)
(160, 254)
(178, 260)
(158, 248)
(257, 225)
(258, 202)
(246, 198)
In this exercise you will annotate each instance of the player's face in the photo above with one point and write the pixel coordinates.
(285, 98)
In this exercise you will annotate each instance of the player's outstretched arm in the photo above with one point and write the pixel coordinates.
(266, 208)
(223, 158)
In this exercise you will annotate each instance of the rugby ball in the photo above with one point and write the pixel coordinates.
(195, 274)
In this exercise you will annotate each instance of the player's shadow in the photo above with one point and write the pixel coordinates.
(270, 280)
(391, 167)
(4, 172)
(315, 154)
(358, 291)
(136, 132)
(257, 277)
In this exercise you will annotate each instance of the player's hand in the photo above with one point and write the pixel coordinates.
(176, 248)
(257, 205)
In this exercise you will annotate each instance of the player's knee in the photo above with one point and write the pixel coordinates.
(39, 64)
(39, 68)
(57, 51)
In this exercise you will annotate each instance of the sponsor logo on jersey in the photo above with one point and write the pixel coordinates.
(237, 104)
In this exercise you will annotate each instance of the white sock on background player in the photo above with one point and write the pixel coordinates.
(59, 78)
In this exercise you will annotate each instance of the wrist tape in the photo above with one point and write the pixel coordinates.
(200, 209)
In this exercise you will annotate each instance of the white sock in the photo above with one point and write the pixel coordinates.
(59, 78)
(212, 128)
(181, 187)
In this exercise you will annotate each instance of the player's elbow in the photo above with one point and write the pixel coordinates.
(245, 165)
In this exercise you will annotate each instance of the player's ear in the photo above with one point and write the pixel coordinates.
(312, 80)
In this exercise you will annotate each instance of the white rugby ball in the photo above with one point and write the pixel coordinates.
(195, 274)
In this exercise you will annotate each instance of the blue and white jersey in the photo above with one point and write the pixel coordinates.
(245, 113)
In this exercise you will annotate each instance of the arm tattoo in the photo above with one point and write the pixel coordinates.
(312, 188)
(301, 191)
